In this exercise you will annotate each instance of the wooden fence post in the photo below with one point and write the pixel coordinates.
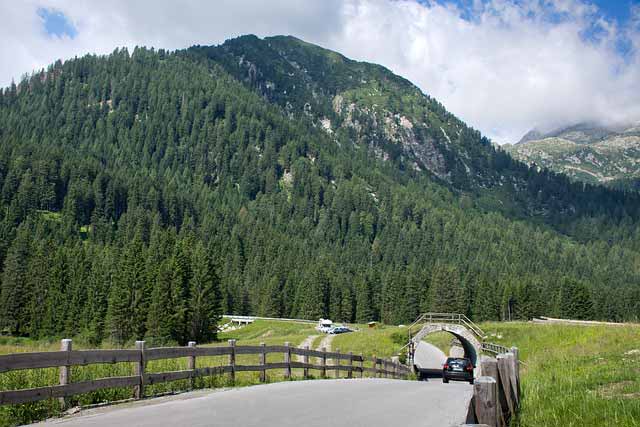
(485, 398)
(139, 371)
(191, 363)
(305, 359)
(287, 361)
(263, 362)
(505, 383)
(375, 366)
(232, 361)
(516, 356)
(489, 368)
(513, 379)
(337, 363)
(323, 371)
(65, 371)
(361, 365)
(350, 371)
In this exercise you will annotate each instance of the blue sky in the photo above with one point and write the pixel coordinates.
(503, 66)
(616, 9)
(612, 9)
(56, 24)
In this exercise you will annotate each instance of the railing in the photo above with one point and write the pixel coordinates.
(455, 318)
(494, 348)
(66, 358)
(278, 319)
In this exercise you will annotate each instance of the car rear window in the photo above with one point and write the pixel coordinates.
(461, 361)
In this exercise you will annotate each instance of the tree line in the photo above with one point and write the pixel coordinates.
(144, 194)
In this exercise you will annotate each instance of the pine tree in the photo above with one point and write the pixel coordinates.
(446, 292)
(128, 296)
(15, 292)
(204, 304)
(159, 321)
(181, 274)
(576, 301)
(364, 302)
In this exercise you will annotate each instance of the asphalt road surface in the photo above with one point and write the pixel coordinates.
(428, 356)
(338, 403)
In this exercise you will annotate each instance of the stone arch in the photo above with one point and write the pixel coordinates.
(472, 347)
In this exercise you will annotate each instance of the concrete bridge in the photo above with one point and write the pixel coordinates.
(470, 335)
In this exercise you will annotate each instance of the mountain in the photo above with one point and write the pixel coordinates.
(144, 193)
(365, 102)
(585, 152)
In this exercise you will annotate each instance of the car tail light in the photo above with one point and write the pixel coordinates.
(445, 366)
(469, 367)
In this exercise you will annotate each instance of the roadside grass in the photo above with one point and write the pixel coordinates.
(442, 340)
(575, 376)
(383, 341)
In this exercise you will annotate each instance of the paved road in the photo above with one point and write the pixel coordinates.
(428, 356)
(338, 403)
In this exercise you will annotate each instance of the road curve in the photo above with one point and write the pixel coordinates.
(338, 403)
(428, 356)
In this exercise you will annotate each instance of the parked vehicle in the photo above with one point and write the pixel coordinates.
(457, 368)
(339, 330)
(324, 325)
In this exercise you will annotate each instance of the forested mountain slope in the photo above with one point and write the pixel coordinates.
(145, 193)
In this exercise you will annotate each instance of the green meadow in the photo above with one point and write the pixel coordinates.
(571, 375)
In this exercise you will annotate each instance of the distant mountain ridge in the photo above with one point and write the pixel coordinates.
(585, 152)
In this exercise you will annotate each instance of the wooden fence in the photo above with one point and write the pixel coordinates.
(496, 394)
(66, 358)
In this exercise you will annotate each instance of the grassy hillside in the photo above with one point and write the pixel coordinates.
(576, 375)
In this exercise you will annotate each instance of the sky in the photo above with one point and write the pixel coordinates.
(503, 66)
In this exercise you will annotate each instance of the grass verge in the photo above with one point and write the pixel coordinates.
(576, 376)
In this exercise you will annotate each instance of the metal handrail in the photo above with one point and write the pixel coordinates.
(494, 348)
(449, 317)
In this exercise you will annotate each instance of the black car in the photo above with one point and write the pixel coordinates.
(457, 368)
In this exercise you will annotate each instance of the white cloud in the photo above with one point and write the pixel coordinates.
(509, 68)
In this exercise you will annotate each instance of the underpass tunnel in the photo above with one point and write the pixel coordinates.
(429, 364)
(469, 349)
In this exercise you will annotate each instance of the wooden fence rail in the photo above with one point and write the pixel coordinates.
(67, 358)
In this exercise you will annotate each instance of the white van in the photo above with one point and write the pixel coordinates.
(324, 325)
